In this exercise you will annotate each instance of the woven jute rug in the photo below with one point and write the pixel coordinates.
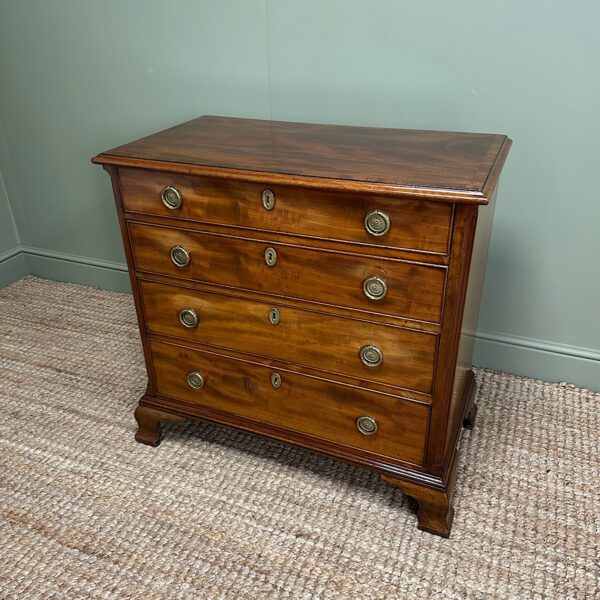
(86, 512)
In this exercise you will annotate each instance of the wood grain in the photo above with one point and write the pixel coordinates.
(325, 180)
(314, 339)
(307, 404)
(323, 215)
(430, 164)
(414, 290)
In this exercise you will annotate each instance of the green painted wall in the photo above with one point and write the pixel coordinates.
(12, 263)
(79, 76)
(8, 234)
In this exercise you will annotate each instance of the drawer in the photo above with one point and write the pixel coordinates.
(413, 225)
(308, 338)
(313, 406)
(414, 290)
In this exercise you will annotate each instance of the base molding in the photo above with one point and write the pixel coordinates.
(434, 496)
(83, 270)
(12, 266)
(540, 359)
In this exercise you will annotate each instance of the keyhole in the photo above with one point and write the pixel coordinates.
(274, 316)
(270, 257)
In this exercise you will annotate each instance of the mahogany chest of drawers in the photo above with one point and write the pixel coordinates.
(315, 284)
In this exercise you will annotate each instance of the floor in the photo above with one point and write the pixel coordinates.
(85, 512)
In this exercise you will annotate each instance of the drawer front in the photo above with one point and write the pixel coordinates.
(303, 337)
(306, 404)
(413, 225)
(413, 290)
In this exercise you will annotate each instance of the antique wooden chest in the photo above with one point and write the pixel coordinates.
(315, 284)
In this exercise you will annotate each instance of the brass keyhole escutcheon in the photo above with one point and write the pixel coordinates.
(268, 199)
(270, 257)
(274, 316)
(276, 380)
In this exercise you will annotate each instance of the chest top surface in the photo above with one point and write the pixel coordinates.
(461, 167)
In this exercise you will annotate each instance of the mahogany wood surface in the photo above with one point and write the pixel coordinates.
(302, 403)
(150, 422)
(323, 215)
(335, 245)
(439, 456)
(463, 375)
(444, 165)
(302, 304)
(325, 179)
(318, 340)
(414, 290)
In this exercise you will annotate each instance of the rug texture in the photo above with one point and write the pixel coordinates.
(86, 512)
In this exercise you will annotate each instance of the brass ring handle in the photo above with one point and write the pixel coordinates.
(366, 425)
(268, 199)
(195, 380)
(171, 197)
(371, 356)
(375, 287)
(180, 256)
(188, 317)
(377, 222)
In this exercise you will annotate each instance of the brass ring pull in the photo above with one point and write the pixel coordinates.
(180, 256)
(377, 223)
(188, 317)
(371, 356)
(366, 425)
(268, 199)
(195, 380)
(171, 197)
(375, 288)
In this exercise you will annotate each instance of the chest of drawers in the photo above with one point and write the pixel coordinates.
(315, 284)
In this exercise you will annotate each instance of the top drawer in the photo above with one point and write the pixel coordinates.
(370, 220)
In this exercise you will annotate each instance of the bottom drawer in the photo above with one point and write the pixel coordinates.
(317, 407)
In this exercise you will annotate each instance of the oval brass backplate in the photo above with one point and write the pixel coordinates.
(180, 256)
(377, 223)
(366, 425)
(375, 288)
(195, 380)
(188, 317)
(171, 197)
(371, 356)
